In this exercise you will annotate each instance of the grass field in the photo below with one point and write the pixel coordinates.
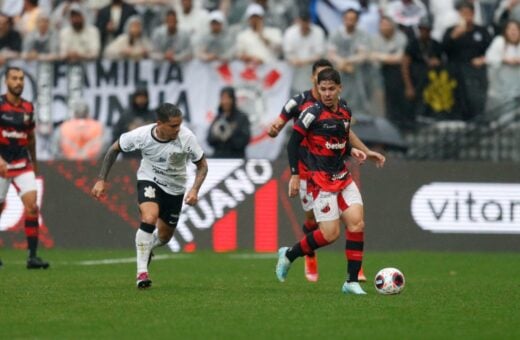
(234, 296)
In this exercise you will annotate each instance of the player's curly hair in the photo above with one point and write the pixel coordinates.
(167, 111)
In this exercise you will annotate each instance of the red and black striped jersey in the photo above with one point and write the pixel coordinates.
(16, 124)
(327, 136)
(292, 110)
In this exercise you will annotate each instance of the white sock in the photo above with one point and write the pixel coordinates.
(143, 246)
(157, 242)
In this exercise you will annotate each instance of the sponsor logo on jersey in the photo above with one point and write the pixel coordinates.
(14, 134)
(339, 176)
(335, 146)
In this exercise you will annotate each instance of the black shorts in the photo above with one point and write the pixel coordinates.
(169, 205)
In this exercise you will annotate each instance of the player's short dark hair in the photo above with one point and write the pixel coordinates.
(464, 4)
(321, 63)
(169, 12)
(329, 74)
(13, 68)
(353, 11)
(166, 111)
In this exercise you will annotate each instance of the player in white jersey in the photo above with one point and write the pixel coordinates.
(165, 148)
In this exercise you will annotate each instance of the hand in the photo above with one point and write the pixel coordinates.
(478, 62)
(358, 155)
(294, 185)
(433, 62)
(377, 158)
(274, 129)
(409, 92)
(99, 190)
(110, 27)
(3, 167)
(192, 197)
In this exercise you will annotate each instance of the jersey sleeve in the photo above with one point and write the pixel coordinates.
(130, 141)
(291, 109)
(195, 152)
(306, 119)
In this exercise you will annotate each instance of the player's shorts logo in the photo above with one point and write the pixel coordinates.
(325, 209)
(149, 192)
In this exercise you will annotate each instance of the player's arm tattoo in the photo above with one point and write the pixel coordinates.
(109, 160)
(200, 174)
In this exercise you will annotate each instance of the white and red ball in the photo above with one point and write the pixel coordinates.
(389, 281)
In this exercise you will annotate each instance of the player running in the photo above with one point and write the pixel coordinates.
(161, 179)
(292, 110)
(325, 127)
(18, 157)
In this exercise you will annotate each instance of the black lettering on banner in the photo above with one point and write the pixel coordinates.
(182, 104)
(138, 82)
(114, 105)
(513, 204)
(60, 72)
(107, 76)
(125, 72)
(174, 73)
(498, 209)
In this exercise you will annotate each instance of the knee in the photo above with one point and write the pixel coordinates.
(149, 218)
(356, 227)
(31, 209)
(331, 235)
(165, 234)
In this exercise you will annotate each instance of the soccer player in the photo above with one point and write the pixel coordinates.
(325, 128)
(292, 110)
(165, 148)
(18, 157)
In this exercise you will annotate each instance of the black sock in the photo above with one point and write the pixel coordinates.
(31, 232)
(294, 252)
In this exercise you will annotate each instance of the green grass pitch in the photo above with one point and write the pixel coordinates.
(230, 296)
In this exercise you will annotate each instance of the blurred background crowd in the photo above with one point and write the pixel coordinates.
(439, 79)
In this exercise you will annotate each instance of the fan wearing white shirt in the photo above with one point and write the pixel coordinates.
(165, 147)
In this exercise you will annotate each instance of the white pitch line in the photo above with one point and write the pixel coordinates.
(255, 256)
(128, 260)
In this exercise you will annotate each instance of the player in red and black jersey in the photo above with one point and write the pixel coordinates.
(18, 157)
(291, 111)
(325, 127)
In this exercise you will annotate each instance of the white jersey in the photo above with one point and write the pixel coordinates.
(163, 162)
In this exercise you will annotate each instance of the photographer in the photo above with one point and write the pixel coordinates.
(230, 132)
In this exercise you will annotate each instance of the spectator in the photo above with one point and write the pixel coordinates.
(280, 13)
(193, 19)
(503, 59)
(169, 42)
(421, 55)
(465, 46)
(230, 131)
(215, 45)
(10, 40)
(303, 44)
(258, 44)
(130, 45)
(80, 40)
(60, 15)
(111, 20)
(26, 21)
(80, 138)
(41, 44)
(406, 13)
(388, 51)
(348, 50)
(138, 114)
(150, 12)
(507, 10)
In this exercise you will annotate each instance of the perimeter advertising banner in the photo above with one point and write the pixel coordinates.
(244, 205)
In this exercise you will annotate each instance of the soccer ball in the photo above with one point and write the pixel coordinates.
(389, 281)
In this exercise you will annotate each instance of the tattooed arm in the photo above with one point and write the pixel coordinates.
(202, 170)
(99, 188)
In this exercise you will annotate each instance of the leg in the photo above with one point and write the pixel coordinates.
(327, 214)
(352, 216)
(309, 225)
(144, 237)
(26, 184)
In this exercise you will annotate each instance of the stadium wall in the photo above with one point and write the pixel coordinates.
(244, 205)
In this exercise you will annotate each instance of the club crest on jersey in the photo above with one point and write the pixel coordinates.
(347, 124)
(26, 118)
(149, 192)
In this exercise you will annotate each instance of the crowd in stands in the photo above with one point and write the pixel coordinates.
(384, 49)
